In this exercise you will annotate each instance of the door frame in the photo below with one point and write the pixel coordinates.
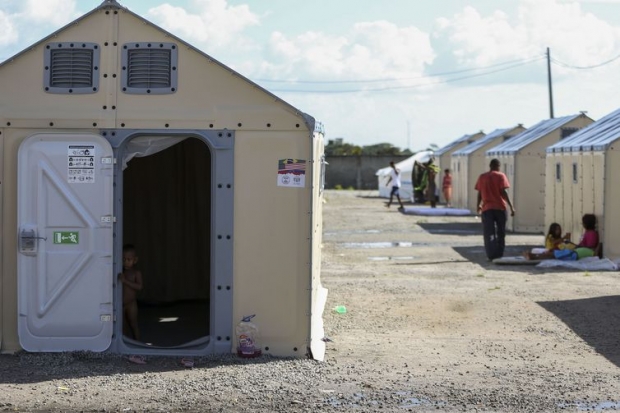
(221, 147)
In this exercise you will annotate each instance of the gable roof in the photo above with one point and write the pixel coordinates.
(462, 139)
(474, 146)
(311, 123)
(597, 136)
(530, 135)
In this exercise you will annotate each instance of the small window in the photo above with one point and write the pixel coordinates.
(567, 131)
(149, 68)
(71, 68)
(558, 172)
(575, 177)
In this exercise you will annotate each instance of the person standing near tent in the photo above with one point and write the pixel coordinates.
(431, 188)
(395, 180)
(446, 187)
(492, 200)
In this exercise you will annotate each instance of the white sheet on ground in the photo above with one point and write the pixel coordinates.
(584, 264)
(436, 211)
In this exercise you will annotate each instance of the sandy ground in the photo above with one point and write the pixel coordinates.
(429, 325)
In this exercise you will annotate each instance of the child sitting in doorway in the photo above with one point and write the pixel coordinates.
(131, 279)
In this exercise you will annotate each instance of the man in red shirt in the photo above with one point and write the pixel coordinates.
(492, 200)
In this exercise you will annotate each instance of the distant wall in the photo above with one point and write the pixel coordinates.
(356, 171)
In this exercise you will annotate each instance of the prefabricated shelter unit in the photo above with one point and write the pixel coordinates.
(523, 161)
(406, 171)
(469, 162)
(114, 131)
(580, 174)
(443, 157)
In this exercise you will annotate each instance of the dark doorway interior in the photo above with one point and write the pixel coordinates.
(167, 216)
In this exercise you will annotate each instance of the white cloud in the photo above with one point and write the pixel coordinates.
(8, 35)
(215, 23)
(574, 36)
(55, 12)
(368, 51)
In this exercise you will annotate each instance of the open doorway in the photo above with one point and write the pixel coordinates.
(167, 217)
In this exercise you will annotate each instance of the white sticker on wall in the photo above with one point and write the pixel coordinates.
(81, 164)
(292, 173)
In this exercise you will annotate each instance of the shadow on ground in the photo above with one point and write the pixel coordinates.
(596, 320)
(453, 228)
(26, 367)
(478, 256)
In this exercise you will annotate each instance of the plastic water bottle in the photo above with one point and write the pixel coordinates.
(247, 336)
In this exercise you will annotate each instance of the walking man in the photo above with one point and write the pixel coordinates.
(492, 200)
(395, 180)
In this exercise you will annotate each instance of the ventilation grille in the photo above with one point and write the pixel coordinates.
(149, 68)
(71, 68)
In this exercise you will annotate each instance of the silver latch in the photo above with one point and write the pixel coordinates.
(28, 240)
(108, 160)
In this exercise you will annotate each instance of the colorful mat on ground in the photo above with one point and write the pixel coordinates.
(413, 210)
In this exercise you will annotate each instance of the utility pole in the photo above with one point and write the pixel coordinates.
(408, 137)
(549, 83)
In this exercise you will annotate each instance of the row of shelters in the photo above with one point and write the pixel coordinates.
(559, 169)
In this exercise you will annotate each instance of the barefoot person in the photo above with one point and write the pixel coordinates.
(131, 279)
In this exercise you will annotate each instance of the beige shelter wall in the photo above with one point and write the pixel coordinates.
(272, 251)
(554, 191)
(607, 193)
(529, 192)
(208, 94)
(459, 181)
(572, 193)
(24, 103)
(2, 257)
(446, 162)
(507, 165)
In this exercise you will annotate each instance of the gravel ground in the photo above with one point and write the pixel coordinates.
(430, 325)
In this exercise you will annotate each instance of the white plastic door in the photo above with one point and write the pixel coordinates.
(65, 273)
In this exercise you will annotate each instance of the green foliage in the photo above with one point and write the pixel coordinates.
(338, 186)
(338, 147)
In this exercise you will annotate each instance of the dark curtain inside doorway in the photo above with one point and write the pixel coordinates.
(166, 215)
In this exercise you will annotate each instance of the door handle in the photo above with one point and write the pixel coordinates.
(28, 241)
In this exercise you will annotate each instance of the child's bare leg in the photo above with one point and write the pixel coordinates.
(132, 318)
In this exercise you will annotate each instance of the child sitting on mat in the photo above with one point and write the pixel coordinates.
(567, 250)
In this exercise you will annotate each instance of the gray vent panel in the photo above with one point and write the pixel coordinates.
(71, 68)
(149, 68)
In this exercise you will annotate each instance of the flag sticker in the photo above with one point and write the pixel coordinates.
(292, 173)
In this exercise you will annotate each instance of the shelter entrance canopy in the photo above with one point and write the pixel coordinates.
(65, 243)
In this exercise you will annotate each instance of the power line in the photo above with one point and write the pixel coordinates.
(566, 65)
(403, 87)
(393, 79)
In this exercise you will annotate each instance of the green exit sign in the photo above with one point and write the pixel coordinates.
(69, 237)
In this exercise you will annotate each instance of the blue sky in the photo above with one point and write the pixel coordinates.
(407, 72)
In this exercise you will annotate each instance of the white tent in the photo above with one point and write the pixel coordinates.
(406, 167)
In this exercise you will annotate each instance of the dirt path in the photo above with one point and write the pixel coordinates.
(430, 325)
(441, 322)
